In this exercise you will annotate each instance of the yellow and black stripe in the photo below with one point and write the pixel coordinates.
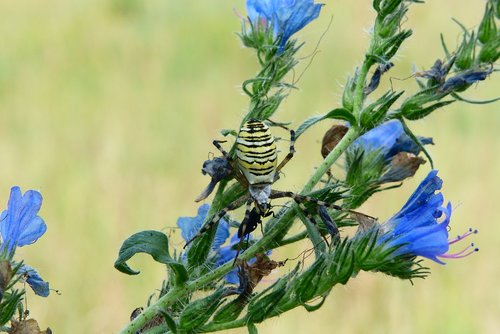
(256, 152)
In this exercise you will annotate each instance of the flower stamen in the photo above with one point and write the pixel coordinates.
(461, 254)
(463, 236)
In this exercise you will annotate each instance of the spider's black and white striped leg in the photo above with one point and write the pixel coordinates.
(246, 227)
(217, 143)
(290, 153)
(300, 202)
(297, 197)
(231, 206)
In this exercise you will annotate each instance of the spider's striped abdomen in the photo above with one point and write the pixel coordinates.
(256, 152)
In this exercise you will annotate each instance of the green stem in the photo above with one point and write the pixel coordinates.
(313, 232)
(331, 158)
(222, 326)
(359, 94)
(299, 236)
(149, 313)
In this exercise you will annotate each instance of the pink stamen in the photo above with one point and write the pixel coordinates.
(463, 236)
(238, 14)
(464, 252)
(457, 256)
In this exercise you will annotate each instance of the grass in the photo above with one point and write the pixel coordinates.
(109, 108)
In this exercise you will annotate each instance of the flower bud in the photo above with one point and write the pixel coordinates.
(386, 7)
(487, 29)
(490, 52)
(390, 24)
(348, 95)
(465, 53)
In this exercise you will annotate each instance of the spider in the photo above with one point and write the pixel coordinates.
(256, 168)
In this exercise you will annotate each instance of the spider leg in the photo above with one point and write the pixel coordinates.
(300, 202)
(290, 153)
(242, 230)
(217, 143)
(297, 197)
(231, 206)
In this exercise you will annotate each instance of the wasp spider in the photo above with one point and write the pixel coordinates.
(256, 168)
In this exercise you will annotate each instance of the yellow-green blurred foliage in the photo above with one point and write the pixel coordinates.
(109, 108)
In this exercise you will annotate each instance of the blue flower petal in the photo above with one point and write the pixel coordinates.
(35, 281)
(383, 137)
(415, 227)
(191, 225)
(303, 12)
(391, 139)
(423, 194)
(286, 16)
(20, 224)
(405, 144)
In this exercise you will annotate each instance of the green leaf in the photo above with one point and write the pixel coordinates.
(304, 287)
(169, 321)
(197, 312)
(423, 112)
(230, 311)
(9, 305)
(375, 113)
(339, 113)
(312, 308)
(252, 329)
(153, 243)
(416, 141)
(227, 132)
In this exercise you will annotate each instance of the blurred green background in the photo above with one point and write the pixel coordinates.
(109, 108)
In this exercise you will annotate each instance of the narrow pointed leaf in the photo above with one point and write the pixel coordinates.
(339, 113)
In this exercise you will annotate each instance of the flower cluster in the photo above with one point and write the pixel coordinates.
(20, 225)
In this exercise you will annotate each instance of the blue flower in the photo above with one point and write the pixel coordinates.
(286, 17)
(420, 228)
(20, 224)
(35, 281)
(389, 154)
(391, 139)
(191, 225)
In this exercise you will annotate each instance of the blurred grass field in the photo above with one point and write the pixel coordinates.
(109, 108)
